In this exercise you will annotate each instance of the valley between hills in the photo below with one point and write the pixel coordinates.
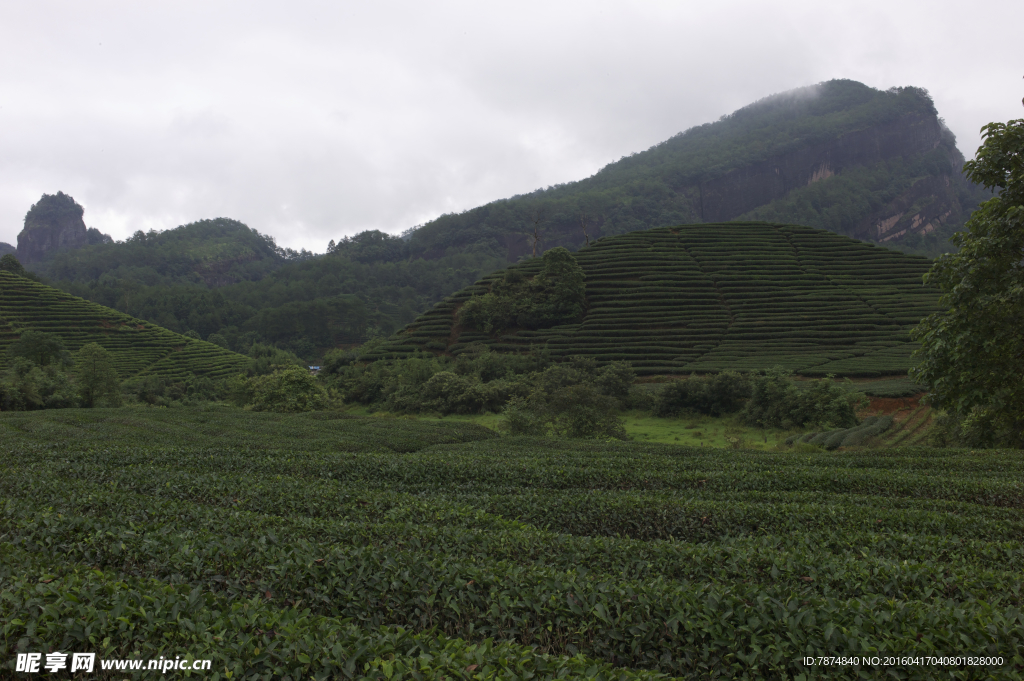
(666, 422)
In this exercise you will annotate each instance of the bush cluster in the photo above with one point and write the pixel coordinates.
(573, 398)
(557, 295)
(776, 402)
(477, 381)
(716, 395)
(42, 374)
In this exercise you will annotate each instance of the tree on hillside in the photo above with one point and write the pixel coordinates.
(288, 389)
(572, 399)
(557, 295)
(972, 354)
(9, 263)
(537, 216)
(26, 386)
(96, 377)
(42, 348)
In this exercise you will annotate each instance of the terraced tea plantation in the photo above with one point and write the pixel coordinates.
(137, 347)
(705, 298)
(418, 551)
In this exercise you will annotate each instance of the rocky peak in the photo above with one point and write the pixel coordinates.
(54, 223)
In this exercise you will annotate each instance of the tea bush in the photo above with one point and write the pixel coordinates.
(315, 545)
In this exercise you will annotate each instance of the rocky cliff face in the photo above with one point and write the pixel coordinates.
(54, 223)
(744, 189)
(922, 208)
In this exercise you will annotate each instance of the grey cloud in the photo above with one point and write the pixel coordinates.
(312, 120)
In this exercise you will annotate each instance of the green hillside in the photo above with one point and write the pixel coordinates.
(876, 165)
(137, 347)
(208, 252)
(706, 298)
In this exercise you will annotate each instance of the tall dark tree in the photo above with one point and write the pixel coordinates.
(96, 377)
(972, 354)
(40, 347)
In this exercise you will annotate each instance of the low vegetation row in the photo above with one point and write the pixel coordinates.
(325, 555)
(579, 397)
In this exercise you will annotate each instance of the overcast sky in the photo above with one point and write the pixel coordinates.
(312, 120)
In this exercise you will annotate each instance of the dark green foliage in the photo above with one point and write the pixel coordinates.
(972, 354)
(154, 390)
(42, 348)
(52, 208)
(776, 402)
(219, 276)
(287, 389)
(308, 325)
(723, 393)
(556, 295)
(371, 246)
(479, 380)
(582, 411)
(265, 357)
(10, 263)
(95, 376)
(449, 393)
(574, 399)
(27, 386)
(219, 340)
(160, 391)
(95, 236)
(335, 557)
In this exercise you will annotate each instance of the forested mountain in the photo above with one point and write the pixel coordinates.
(878, 166)
(233, 285)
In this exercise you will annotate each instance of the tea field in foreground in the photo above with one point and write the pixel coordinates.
(411, 549)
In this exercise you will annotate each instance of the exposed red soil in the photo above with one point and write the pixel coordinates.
(891, 405)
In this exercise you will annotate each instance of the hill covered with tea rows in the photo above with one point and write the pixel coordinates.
(707, 298)
(431, 551)
(136, 347)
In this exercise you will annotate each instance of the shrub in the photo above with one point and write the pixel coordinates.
(158, 391)
(581, 411)
(28, 386)
(520, 418)
(775, 402)
(616, 380)
(287, 389)
(722, 393)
